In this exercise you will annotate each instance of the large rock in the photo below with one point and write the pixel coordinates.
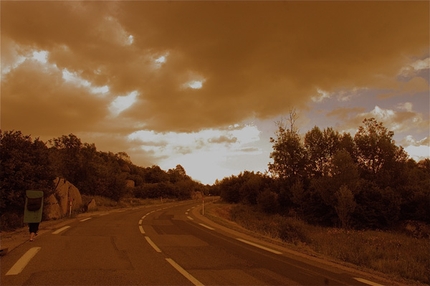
(52, 209)
(59, 202)
(92, 205)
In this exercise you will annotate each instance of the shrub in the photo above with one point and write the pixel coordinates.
(10, 221)
(268, 202)
(294, 231)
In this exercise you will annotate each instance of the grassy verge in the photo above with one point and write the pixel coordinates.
(396, 254)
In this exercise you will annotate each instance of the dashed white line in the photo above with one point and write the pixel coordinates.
(208, 227)
(190, 218)
(23, 261)
(61, 229)
(141, 229)
(140, 221)
(85, 219)
(181, 270)
(367, 281)
(259, 246)
(152, 244)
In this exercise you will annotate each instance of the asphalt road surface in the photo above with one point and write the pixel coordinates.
(170, 244)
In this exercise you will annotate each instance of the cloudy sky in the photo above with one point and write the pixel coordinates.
(202, 84)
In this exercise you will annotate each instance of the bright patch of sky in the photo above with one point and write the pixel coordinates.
(121, 103)
(195, 84)
(41, 56)
(75, 79)
(130, 39)
(203, 154)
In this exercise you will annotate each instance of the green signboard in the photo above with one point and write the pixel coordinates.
(33, 206)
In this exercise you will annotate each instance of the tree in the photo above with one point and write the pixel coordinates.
(289, 157)
(377, 154)
(67, 157)
(321, 147)
(345, 205)
(25, 165)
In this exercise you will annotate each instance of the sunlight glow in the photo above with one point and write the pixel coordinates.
(193, 150)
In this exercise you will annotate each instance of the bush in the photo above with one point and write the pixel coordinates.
(10, 221)
(268, 202)
(294, 231)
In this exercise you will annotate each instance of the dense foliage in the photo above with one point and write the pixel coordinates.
(333, 179)
(28, 164)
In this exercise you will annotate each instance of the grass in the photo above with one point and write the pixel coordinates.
(396, 254)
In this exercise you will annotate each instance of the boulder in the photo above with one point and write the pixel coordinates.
(52, 208)
(59, 202)
(92, 205)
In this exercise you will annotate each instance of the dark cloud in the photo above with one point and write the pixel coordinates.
(255, 59)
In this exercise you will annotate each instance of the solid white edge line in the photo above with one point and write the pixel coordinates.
(259, 246)
(23, 261)
(85, 219)
(208, 227)
(141, 229)
(61, 229)
(152, 244)
(181, 270)
(367, 281)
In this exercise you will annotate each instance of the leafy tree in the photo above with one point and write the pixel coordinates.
(377, 155)
(25, 166)
(345, 205)
(67, 157)
(321, 147)
(289, 157)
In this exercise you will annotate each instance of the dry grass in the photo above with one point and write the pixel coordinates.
(395, 254)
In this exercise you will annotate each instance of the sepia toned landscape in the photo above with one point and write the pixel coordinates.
(215, 143)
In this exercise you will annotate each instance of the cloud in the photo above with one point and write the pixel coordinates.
(417, 149)
(255, 58)
(169, 80)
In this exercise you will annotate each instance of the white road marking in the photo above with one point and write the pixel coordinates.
(208, 227)
(367, 281)
(141, 229)
(61, 229)
(259, 246)
(190, 218)
(140, 221)
(23, 261)
(184, 272)
(85, 219)
(152, 244)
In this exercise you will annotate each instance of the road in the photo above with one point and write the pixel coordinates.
(170, 244)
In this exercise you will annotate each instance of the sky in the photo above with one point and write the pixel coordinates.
(202, 84)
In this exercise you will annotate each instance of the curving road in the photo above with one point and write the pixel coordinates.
(170, 244)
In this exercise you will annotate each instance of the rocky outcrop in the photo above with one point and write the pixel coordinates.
(66, 195)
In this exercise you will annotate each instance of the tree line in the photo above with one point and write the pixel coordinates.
(334, 179)
(31, 164)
